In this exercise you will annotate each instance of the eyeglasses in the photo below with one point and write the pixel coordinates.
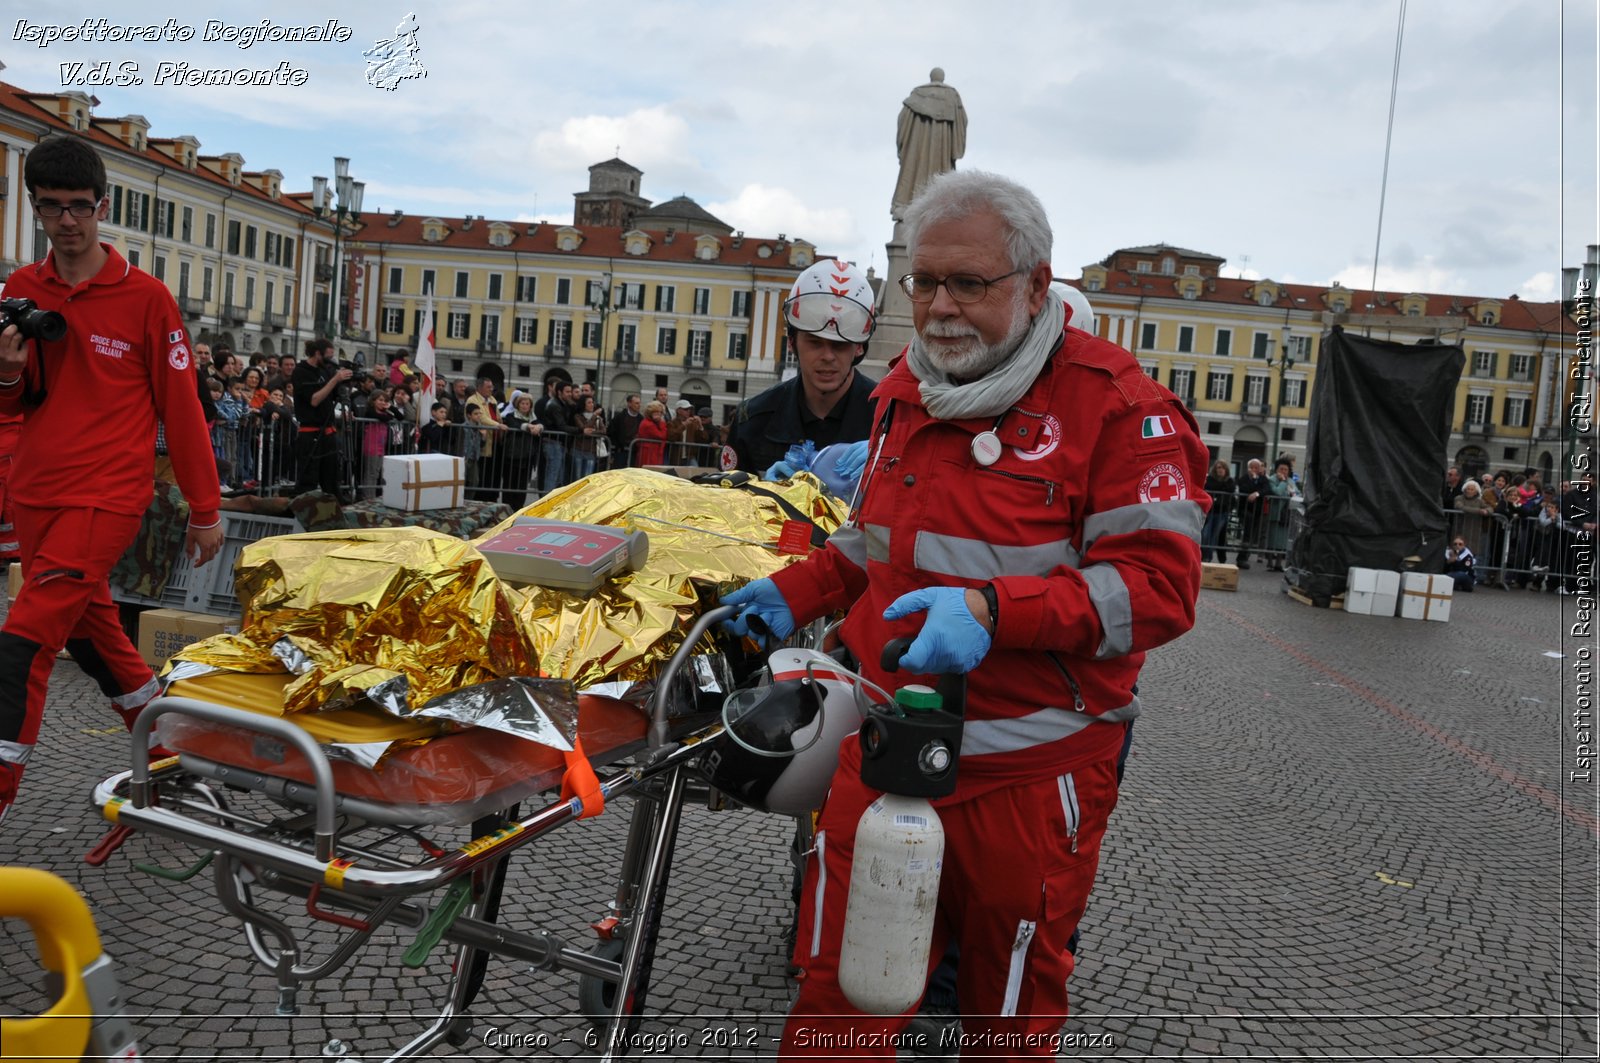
(963, 287)
(78, 208)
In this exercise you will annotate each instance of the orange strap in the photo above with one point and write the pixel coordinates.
(581, 782)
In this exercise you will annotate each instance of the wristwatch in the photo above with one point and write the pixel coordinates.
(992, 600)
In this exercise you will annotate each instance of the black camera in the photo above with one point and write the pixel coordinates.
(33, 323)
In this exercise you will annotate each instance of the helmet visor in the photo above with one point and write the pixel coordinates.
(836, 317)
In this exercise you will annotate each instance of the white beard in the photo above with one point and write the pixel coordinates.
(972, 358)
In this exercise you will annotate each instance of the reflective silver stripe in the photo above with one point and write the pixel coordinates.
(134, 699)
(1019, 964)
(877, 543)
(822, 889)
(982, 737)
(1185, 518)
(14, 752)
(850, 542)
(1109, 596)
(953, 555)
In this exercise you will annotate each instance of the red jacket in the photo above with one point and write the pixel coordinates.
(124, 364)
(1087, 524)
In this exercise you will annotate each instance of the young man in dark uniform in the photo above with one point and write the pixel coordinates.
(316, 447)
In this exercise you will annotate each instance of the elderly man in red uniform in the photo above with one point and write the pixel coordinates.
(82, 479)
(1031, 513)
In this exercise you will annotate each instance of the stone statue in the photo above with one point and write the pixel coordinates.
(931, 137)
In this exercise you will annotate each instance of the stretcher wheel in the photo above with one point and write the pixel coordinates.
(597, 998)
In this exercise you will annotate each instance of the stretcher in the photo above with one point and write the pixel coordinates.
(363, 849)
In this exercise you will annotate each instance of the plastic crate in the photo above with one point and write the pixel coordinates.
(211, 589)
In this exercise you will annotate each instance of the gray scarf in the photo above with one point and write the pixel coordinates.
(999, 388)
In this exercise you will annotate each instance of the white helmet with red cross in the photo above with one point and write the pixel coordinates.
(832, 299)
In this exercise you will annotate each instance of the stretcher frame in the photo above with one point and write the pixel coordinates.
(303, 855)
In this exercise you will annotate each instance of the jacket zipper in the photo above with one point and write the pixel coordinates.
(1048, 485)
(1077, 694)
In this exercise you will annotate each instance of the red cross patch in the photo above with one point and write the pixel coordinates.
(1163, 483)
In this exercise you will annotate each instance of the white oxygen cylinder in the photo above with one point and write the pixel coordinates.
(894, 892)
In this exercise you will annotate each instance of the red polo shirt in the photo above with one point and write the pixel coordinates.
(124, 364)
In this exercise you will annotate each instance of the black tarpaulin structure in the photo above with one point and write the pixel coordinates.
(1375, 460)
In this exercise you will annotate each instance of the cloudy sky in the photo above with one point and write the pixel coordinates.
(1249, 129)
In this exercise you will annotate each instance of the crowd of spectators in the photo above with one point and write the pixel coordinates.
(514, 445)
(1518, 532)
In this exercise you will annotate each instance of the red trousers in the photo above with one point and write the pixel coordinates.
(1019, 862)
(65, 601)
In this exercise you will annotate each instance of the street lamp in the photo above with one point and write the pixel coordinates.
(1284, 362)
(601, 300)
(349, 205)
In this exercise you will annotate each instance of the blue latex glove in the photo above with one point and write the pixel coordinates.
(761, 603)
(951, 639)
(839, 467)
(778, 470)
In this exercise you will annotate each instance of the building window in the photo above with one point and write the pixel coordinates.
(1515, 413)
(394, 319)
(1255, 390)
(1219, 386)
(461, 284)
(266, 303)
(1483, 363)
(1478, 409)
(527, 330)
(1294, 392)
(205, 283)
(699, 345)
(1300, 349)
(183, 280)
(1264, 297)
(627, 336)
(1191, 271)
(1185, 338)
(666, 340)
(702, 301)
(1261, 346)
(1521, 368)
(560, 335)
(458, 325)
(1091, 284)
(396, 275)
(160, 269)
(630, 296)
(227, 289)
(1224, 342)
(741, 304)
(250, 241)
(666, 298)
(527, 289)
(1147, 336)
(489, 327)
(1152, 370)
(249, 292)
(133, 257)
(211, 230)
(1181, 382)
(738, 346)
(564, 291)
(591, 335)
(233, 238)
(1141, 267)
(1168, 264)
(495, 282)
(428, 282)
(188, 225)
(594, 293)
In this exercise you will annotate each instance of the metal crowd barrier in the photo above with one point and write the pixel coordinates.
(1237, 529)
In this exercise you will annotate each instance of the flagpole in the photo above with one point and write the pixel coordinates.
(426, 363)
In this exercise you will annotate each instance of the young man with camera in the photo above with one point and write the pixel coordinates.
(82, 479)
(317, 381)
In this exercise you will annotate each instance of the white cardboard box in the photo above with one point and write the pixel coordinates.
(415, 482)
(1425, 596)
(1372, 592)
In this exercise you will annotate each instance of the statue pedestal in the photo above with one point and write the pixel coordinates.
(895, 328)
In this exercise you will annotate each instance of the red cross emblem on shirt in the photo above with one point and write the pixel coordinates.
(1163, 483)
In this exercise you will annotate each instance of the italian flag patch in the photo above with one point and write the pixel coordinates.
(1156, 427)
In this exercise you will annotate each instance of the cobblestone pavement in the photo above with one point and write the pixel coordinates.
(1339, 837)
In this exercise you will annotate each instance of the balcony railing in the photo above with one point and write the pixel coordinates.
(625, 356)
(557, 353)
(190, 306)
(1477, 428)
(1254, 411)
(697, 361)
(234, 314)
(488, 346)
(324, 272)
(273, 321)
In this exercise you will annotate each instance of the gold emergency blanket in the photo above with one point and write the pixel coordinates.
(363, 608)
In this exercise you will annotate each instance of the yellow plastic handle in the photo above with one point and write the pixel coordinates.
(68, 942)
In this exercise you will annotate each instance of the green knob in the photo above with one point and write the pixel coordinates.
(918, 697)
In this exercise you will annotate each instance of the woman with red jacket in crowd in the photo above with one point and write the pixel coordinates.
(650, 444)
